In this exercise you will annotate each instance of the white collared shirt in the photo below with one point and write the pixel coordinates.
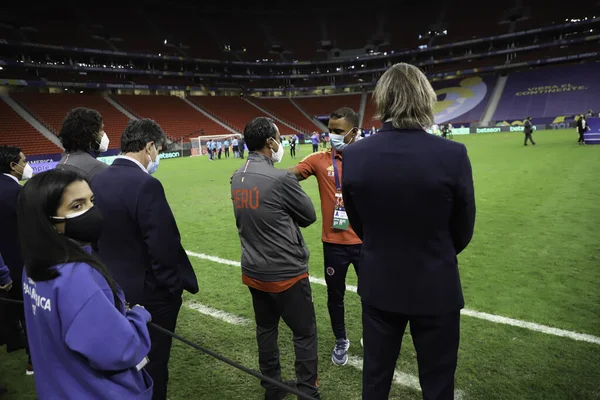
(139, 164)
(13, 177)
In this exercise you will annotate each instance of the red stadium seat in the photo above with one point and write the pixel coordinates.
(15, 131)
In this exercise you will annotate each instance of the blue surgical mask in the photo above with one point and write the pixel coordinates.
(337, 141)
(153, 165)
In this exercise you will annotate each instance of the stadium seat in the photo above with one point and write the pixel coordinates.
(325, 105)
(17, 132)
(178, 119)
(286, 111)
(232, 110)
(51, 109)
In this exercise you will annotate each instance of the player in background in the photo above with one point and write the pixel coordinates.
(293, 141)
(528, 130)
(235, 145)
(341, 246)
(226, 144)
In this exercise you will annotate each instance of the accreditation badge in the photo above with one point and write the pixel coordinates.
(340, 218)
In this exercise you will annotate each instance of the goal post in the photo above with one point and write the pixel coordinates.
(199, 143)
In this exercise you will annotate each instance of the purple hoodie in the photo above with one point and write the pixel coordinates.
(83, 347)
(4, 273)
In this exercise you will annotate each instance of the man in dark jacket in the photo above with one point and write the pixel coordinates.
(270, 207)
(140, 242)
(582, 128)
(528, 130)
(13, 168)
(409, 197)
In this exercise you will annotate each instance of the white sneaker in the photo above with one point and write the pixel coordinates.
(361, 342)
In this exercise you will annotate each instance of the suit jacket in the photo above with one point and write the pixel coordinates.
(409, 196)
(9, 234)
(140, 242)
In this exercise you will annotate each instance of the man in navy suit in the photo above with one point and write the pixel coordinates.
(409, 196)
(140, 242)
(13, 168)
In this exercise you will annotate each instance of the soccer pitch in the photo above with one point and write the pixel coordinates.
(534, 258)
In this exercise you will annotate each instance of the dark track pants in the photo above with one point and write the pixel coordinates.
(164, 313)
(315, 148)
(436, 340)
(528, 137)
(296, 308)
(337, 259)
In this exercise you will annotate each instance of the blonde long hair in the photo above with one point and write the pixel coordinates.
(404, 95)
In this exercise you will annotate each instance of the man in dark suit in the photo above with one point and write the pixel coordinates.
(140, 242)
(409, 197)
(582, 128)
(13, 168)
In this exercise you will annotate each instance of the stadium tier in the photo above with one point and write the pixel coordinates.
(232, 110)
(15, 131)
(286, 111)
(177, 118)
(51, 109)
(325, 105)
(550, 92)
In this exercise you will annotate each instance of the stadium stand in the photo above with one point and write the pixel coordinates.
(15, 131)
(178, 119)
(286, 111)
(550, 92)
(51, 109)
(231, 110)
(368, 121)
(316, 106)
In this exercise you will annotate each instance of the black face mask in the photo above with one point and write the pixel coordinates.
(84, 228)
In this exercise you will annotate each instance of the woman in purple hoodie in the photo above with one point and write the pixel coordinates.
(85, 341)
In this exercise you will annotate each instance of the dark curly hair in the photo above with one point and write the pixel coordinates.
(79, 130)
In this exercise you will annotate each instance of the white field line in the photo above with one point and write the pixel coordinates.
(498, 319)
(400, 378)
(218, 314)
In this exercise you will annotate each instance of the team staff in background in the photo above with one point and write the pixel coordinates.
(235, 147)
(13, 168)
(315, 142)
(528, 130)
(582, 128)
(226, 144)
(5, 286)
(341, 246)
(82, 134)
(140, 242)
(293, 141)
(85, 342)
(409, 196)
(269, 207)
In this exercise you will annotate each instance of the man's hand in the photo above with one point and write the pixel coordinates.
(7, 287)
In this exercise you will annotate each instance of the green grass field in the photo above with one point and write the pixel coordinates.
(535, 257)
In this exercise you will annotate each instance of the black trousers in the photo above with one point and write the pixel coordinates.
(293, 151)
(528, 137)
(164, 312)
(15, 332)
(581, 139)
(436, 340)
(337, 258)
(315, 148)
(296, 308)
(227, 152)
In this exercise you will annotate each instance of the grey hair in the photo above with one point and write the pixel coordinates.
(404, 95)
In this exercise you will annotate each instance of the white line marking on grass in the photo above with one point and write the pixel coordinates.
(498, 319)
(218, 314)
(582, 337)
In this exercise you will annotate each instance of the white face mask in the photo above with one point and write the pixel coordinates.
(276, 156)
(153, 165)
(104, 142)
(27, 172)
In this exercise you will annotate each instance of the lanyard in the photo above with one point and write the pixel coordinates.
(338, 186)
